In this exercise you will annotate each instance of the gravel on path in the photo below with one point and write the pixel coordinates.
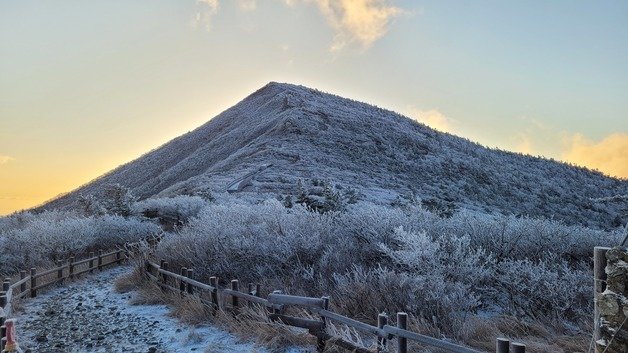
(90, 316)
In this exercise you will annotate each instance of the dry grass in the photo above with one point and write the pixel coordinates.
(252, 324)
(131, 281)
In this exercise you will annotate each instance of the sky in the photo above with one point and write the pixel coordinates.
(88, 85)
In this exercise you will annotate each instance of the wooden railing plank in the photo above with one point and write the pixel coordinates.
(284, 299)
(358, 325)
(427, 340)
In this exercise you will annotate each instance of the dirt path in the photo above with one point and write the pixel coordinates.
(91, 317)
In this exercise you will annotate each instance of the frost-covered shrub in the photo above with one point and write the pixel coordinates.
(372, 258)
(178, 207)
(31, 240)
(548, 291)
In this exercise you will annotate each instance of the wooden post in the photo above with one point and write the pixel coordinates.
(3, 299)
(71, 268)
(59, 271)
(189, 275)
(23, 285)
(258, 290)
(235, 301)
(402, 323)
(276, 309)
(33, 282)
(251, 291)
(119, 257)
(91, 262)
(165, 268)
(382, 320)
(518, 348)
(99, 260)
(6, 285)
(503, 345)
(213, 281)
(160, 276)
(320, 341)
(182, 285)
(3, 334)
(599, 285)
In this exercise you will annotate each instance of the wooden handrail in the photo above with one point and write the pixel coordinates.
(276, 301)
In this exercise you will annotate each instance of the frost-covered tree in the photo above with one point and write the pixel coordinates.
(89, 206)
(118, 200)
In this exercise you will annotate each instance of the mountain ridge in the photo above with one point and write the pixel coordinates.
(307, 134)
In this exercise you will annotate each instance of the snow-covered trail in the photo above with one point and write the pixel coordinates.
(89, 316)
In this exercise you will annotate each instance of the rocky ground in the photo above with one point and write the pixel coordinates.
(89, 316)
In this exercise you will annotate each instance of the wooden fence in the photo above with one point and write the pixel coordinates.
(276, 303)
(31, 282)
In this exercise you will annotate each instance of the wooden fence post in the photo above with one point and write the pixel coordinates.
(518, 348)
(320, 341)
(258, 290)
(275, 308)
(251, 291)
(160, 276)
(165, 276)
(189, 275)
(23, 285)
(59, 264)
(6, 285)
(213, 281)
(33, 282)
(503, 345)
(402, 323)
(91, 262)
(119, 257)
(3, 333)
(235, 301)
(182, 284)
(382, 320)
(599, 285)
(99, 260)
(71, 268)
(3, 299)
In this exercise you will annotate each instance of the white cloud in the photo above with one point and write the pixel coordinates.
(360, 22)
(357, 21)
(610, 155)
(208, 9)
(5, 159)
(247, 5)
(432, 118)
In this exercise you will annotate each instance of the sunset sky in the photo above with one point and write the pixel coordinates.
(88, 85)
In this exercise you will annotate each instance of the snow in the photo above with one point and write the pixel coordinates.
(89, 316)
(308, 134)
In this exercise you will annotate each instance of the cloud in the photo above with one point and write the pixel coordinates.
(356, 21)
(432, 118)
(208, 9)
(536, 134)
(610, 155)
(247, 5)
(360, 22)
(6, 159)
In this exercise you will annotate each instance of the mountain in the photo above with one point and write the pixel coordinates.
(283, 132)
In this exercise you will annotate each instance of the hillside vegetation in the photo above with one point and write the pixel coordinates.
(314, 194)
(283, 133)
(469, 277)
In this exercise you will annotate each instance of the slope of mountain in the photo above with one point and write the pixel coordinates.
(283, 132)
